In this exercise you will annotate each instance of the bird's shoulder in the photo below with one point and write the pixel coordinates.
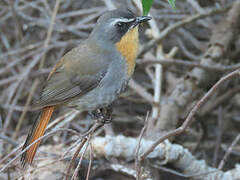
(81, 60)
(75, 74)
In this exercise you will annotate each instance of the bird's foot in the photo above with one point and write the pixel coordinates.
(104, 115)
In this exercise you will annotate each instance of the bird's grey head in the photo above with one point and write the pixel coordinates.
(113, 25)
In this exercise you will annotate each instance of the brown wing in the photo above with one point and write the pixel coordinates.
(74, 75)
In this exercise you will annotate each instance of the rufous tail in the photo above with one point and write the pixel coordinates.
(37, 131)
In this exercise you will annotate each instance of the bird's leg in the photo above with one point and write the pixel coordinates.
(95, 114)
(102, 114)
(107, 114)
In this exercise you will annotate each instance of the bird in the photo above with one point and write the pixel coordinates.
(92, 75)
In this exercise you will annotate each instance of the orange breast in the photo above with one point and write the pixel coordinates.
(128, 47)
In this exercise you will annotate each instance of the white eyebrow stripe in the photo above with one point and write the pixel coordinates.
(124, 20)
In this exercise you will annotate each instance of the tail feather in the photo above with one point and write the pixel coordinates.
(37, 131)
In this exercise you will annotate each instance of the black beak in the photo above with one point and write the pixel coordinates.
(141, 19)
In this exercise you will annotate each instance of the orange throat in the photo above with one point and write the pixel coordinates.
(128, 47)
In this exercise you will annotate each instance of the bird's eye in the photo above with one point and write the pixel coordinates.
(120, 24)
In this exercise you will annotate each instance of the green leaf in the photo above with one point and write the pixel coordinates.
(172, 3)
(146, 5)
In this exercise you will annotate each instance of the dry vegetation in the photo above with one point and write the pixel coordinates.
(187, 76)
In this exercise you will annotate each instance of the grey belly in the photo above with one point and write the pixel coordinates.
(109, 88)
(97, 98)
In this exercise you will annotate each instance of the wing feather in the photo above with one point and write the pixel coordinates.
(70, 79)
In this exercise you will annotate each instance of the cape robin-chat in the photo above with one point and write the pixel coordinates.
(92, 75)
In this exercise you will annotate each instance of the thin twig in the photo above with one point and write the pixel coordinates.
(219, 136)
(168, 62)
(137, 163)
(221, 164)
(226, 96)
(98, 124)
(74, 177)
(189, 118)
(173, 27)
(9, 140)
(37, 140)
(141, 90)
(74, 157)
(90, 161)
(50, 30)
(20, 121)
